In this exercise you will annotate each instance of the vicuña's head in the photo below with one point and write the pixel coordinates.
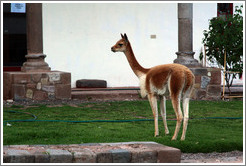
(121, 45)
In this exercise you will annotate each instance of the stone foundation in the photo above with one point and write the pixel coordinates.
(207, 83)
(36, 85)
(122, 152)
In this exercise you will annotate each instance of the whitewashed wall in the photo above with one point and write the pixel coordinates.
(78, 37)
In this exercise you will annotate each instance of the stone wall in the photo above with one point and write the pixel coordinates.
(36, 85)
(207, 83)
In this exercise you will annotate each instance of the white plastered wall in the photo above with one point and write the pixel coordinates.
(78, 36)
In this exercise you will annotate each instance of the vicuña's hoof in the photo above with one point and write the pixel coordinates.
(174, 139)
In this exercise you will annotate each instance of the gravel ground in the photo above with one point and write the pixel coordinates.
(227, 157)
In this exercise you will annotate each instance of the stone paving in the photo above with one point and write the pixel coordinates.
(124, 152)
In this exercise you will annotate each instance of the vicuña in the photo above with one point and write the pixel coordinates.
(174, 79)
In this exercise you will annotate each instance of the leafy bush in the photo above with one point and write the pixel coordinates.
(226, 35)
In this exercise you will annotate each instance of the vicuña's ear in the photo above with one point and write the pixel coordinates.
(126, 38)
(122, 36)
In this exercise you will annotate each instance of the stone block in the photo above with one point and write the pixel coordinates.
(121, 156)
(44, 81)
(144, 157)
(31, 86)
(19, 91)
(39, 86)
(85, 83)
(200, 94)
(40, 95)
(197, 79)
(42, 157)
(48, 88)
(20, 156)
(29, 93)
(83, 156)
(7, 85)
(205, 81)
(59, 156)
(54, 76)
(63, 91)
(104, 157)
(65, 78)
(215, 77)
(169, 155)
(36, 77)
(214, 90)
(197, 86)
(21, 78)
(199, 71)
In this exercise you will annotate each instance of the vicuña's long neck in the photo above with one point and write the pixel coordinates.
(136, 67)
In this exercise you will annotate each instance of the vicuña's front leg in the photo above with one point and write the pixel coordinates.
(163, 113)
(153, 104)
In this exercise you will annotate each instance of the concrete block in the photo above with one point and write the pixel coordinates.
(59, 156)
(121, 156)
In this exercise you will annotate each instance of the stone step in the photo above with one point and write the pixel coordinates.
(122, 152)
(106, 94)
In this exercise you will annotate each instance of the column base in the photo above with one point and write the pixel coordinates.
(35, 63)
(186, 59)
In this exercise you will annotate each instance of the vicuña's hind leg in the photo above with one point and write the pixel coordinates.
(153, 104)
(163, 112)
(179, 115)
(186, 99)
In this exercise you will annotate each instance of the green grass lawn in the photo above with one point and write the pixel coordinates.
(203, 135)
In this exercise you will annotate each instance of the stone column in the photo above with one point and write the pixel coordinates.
(35, 57)
(185, 36)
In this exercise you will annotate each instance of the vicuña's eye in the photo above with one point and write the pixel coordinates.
(120, 44)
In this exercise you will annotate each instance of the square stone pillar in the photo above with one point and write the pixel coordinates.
(36, 81)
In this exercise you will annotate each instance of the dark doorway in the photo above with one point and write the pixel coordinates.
(14, 36)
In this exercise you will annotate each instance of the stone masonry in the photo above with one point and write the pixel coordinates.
(36, 85)
(123, 152)
(207, 84)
